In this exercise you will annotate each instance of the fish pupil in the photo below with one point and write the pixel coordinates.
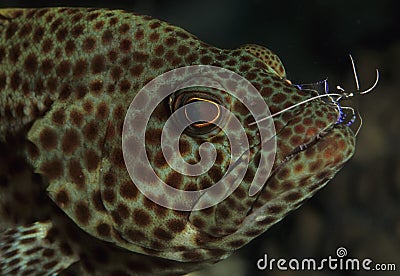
(203, 114)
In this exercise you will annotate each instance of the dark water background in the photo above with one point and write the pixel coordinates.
(360, 208)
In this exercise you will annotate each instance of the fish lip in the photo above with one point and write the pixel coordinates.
(323, 133)
(296, 151)
(314, 141)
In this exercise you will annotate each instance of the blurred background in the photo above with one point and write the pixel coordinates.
(360, 208)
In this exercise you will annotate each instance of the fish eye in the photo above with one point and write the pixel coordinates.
(202, 113)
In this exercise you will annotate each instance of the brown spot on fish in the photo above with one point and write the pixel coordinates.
(91, 160)
(80, 68)
(62, 34)
(38, 34)
(117, 158)
(82, 212)
(15, 80)
(107, 37)
(70, 47)
(89, 44)
(48, 139)
(76, 174)
(125, 45)
(123, 211)
(90, 131)
(62, 198)
(162, 234)
(108, 196)
(135, 235)
(81, 91)
(70, 141)
(76, 117)
(65, 92)
(77, 30)
(96, 87)
(63, 69)
(104, 230)
(128, 191)
(52, 169)
(98, 64)
(139, 35)
(31, 64)
(124, 86)
(176, 225)
(141, 217)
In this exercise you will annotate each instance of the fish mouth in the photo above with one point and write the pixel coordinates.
(300, 175)
(290, 145)
(300, 148)
(298, 161)
(305, 128)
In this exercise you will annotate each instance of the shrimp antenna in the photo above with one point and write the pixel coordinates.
(361, 92)
(356, 79)
(373, 86)
(361, 123)
(295, 105)
(355, 73)
(342, 95)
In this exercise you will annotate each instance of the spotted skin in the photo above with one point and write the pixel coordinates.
(67, 77)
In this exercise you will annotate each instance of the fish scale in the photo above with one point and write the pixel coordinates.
(67, 78)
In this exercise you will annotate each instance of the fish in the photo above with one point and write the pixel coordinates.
(68, 205)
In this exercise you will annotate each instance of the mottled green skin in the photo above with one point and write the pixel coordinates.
(67, 77)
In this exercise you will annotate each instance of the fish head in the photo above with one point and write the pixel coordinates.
(298, 152)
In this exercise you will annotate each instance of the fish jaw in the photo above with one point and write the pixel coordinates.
(300, 177)
(310, 151)
(290, 184)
